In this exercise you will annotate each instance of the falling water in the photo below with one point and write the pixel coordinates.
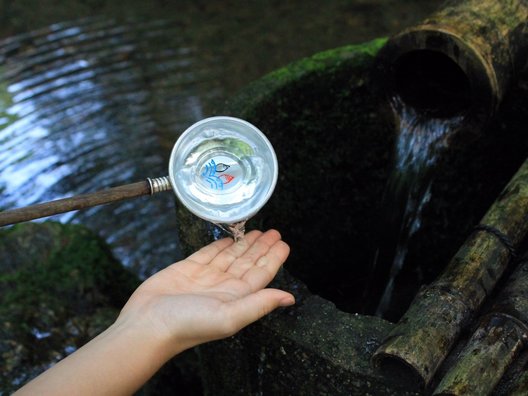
(421, 140)
(236, 230)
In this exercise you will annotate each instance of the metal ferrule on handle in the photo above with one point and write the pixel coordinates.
(159, 184)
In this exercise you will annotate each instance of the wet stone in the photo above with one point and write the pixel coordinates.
(312, 349)
(335, 147)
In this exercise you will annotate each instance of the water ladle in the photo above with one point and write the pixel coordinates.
(222, 169)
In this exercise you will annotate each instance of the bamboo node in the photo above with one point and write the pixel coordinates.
(502, 237)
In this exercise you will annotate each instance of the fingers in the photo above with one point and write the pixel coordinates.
(266, 267)
(254, 306)
(227, 256)
(207, 253)
(254, 253)
(256, 258)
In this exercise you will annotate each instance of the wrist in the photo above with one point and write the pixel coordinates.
(119, 361)
(147, 335)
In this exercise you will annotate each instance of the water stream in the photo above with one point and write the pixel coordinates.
(237, 230)
(420, 142)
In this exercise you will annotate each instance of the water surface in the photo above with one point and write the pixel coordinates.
(93, 96)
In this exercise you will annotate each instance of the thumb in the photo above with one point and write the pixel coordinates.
(256, 305)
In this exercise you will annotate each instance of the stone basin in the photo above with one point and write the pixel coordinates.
(334, 140)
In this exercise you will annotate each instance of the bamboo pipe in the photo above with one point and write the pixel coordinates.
(460, 60)
(420, 341)
(114, 194)
(501, 335)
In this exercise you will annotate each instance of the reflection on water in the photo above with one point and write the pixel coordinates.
(96, 104)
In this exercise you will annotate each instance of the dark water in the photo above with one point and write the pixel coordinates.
(88, 102)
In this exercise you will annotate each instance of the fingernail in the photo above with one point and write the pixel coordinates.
(287, 301)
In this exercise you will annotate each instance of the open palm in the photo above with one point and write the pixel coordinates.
(214, 292)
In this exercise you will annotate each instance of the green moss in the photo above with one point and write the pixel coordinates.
(60, 286)
(326, 62)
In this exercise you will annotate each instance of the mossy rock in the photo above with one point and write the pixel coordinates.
(320, 115)
(59, 287)
(335, 141)
(312, 348)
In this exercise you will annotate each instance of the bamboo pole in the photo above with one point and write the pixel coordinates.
(500, 337)
(482, 363)
(427, 331)
(484, 360)
(114, 194)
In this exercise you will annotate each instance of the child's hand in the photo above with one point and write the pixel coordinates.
(210, 295)
(213, 293)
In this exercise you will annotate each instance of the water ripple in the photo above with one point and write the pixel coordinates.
(93, 103)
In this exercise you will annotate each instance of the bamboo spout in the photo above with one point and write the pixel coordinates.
(427, 331)
(459, 61)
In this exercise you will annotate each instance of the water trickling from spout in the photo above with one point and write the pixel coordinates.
(236, 230)
(420, 142)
